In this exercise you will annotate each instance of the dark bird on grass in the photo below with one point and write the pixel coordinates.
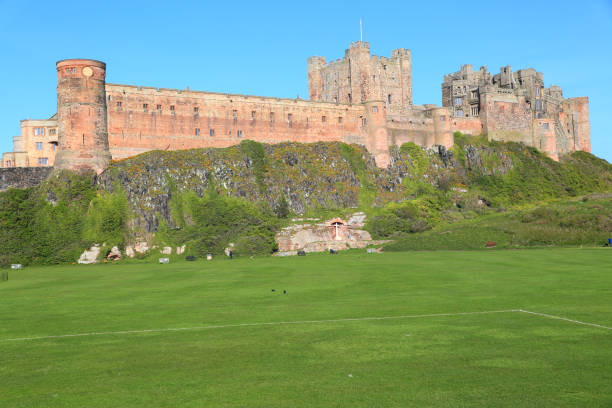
(273, 290)
(284, 292)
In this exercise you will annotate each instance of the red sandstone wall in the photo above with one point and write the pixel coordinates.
(576, 114)
(468, 126)
(134, 128)
(507, 118)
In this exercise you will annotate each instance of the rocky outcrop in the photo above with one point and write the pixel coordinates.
(317, 175)
(335, 234)
(90, 255)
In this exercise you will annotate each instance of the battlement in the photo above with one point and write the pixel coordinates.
(360, 44)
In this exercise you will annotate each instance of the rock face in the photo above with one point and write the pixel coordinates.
(90, 255)
(333, 234)
(316, 175)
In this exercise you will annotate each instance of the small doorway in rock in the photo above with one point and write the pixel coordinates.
(337, 230)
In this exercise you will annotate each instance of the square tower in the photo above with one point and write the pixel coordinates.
(360, 77)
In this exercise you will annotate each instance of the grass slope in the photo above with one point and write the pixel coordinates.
(501, 360)
(578, 222)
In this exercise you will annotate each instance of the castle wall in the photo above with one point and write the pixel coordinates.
(423, 126)
(507, 118)
(468, 126)
(575, 119)
(142, 119)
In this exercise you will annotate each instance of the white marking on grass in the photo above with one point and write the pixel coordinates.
(565, 319)
(226, 326)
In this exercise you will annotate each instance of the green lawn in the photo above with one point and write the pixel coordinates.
(505, 359)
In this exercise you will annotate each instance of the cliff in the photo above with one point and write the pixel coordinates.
(206, 198)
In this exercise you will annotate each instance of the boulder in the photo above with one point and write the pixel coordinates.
(90, 255)
(141, 247)
(166, 250)
(180, 250)
(357, 220)
(114, 254)
(129, 251)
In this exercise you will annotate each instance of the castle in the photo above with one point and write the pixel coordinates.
(360, 99)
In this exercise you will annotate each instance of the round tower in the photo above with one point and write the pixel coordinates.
(377, 137)
(443, 135)
(81, 116)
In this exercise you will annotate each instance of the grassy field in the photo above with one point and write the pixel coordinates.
(311, 354)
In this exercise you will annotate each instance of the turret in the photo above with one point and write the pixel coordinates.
(315, 78)
(405, 67)
(81, 115)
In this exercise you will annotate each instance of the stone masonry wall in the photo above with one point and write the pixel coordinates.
(142, 119)
(23, 177)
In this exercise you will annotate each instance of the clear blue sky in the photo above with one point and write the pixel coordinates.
(261, 48)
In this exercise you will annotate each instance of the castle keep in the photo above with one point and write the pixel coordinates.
(360, 99)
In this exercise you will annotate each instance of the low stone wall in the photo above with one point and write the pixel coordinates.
(23, 177)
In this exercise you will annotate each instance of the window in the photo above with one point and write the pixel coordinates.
(389, 98)
(538, 91)
(374, 109)
(52, 132)
(109, 98)
(159, 108)
(290, 119)
(474, 94)
(235, 116)
(119, 104)
(196, 109)
(460, 113)
(39, 146)
(43, 161)
(538, 104)
(363, 121)
(458, 101)
(350, 98)
(212, 132)
(172, 109)
(253, 115)
(197, 131)
(545, 125)
(239, 133)
(442, 118)
(145, 107)
(39, 131)
(307, 122)
(475, 110)
(53, 146)
(323, 119)
(271, 117)
(339, 120)
(73, 70)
